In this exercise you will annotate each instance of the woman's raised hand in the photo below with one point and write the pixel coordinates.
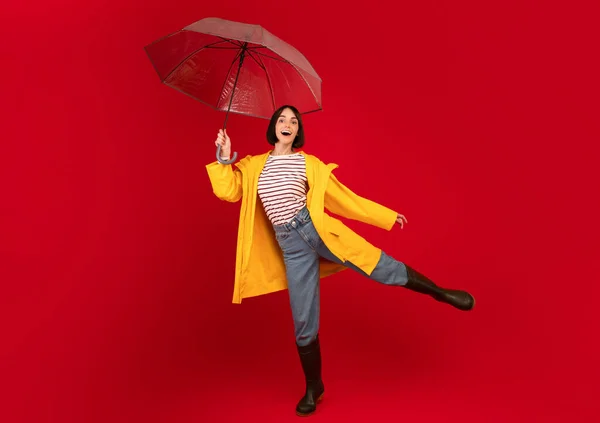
(225, 143)
(401, 220)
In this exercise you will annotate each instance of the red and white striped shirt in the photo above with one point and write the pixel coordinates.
(282, 187)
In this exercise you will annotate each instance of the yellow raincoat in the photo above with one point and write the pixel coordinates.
(260, 268)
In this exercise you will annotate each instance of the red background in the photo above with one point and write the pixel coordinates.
(478, 121)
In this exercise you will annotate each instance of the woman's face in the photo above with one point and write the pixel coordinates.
(286, 128)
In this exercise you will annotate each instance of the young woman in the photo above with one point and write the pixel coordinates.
(288, 241)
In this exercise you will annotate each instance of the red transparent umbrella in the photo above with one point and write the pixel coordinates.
(236, 67)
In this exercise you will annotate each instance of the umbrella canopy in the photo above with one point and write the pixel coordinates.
(236, 67)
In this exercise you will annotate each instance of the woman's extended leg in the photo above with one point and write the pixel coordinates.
(390, 271)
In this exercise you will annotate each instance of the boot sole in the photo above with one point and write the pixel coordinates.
(312, 412)
(472, 306)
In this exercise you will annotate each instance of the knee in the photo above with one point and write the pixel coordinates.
(390, 271)
(304, 340)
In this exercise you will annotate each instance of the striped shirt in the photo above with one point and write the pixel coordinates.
(282, 187)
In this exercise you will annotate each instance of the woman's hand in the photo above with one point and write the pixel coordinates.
(401, 220)
(225, 143)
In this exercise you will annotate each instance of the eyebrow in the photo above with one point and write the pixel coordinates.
(293, 117)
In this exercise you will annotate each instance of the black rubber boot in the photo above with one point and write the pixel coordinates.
(462, 300)
(310, 357)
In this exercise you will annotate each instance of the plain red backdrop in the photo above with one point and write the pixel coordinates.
(478, 121)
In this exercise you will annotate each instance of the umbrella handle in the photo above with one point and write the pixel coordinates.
(225, 161)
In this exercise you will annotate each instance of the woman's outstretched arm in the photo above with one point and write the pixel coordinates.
(339, 199)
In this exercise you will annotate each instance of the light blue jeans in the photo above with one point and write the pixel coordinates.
(302, 246)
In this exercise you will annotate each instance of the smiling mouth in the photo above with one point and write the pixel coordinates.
(286, 132)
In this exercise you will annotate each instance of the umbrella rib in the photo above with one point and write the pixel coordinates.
(188, 56)
(257, 62)
(224, 48)
(271, 57)
(269, 82)
(295, 68)
(230, 41)
(282, 60)
(306, 82)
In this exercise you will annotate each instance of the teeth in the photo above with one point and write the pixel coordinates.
(286, 132)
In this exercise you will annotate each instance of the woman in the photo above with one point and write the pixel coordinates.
(289, 242)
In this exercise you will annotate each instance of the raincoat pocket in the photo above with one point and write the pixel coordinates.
(336, 227)
(348, 245)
